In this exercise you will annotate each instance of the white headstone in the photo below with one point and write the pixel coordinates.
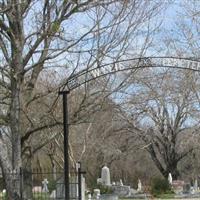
(99, 181)
(192, 191)
(97, 193)
(89, 196)
(105, 176)
(53, 194)
(195, 185)
(120, 182)
(2, 194)
(170, 178)
(83, 188)
(45, 185)
(139, 189)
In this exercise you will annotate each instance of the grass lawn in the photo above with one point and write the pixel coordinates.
(163, 197)
(166, 196)
(41, 196)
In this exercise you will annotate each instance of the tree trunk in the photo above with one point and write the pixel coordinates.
(27, 174)
(171, 166)
(53, 166)
(12, 181)
(11, 159)
(173, 169)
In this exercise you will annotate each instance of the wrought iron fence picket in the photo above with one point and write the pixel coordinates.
(54, 185)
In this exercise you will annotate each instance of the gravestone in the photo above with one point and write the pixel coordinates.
(195, 185)
(186, 188)
(2, 194)
(53, 194)
(99, 181)
(192, 191)
(96, 193)
(139, 189)
(105, 176)
(45, 185)
(89, 196)
(178, 186)
(121, 191)
(170, 178)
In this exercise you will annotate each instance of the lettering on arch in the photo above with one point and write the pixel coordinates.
(85, 76)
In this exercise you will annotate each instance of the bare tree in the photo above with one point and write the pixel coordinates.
(38, 35)
(162, 110)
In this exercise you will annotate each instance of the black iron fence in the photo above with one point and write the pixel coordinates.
(42, 184)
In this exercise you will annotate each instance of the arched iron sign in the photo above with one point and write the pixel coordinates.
(88, 75)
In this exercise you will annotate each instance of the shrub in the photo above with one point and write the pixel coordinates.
(51, 185)
(160, 186)
(104, 189)
(2, 184)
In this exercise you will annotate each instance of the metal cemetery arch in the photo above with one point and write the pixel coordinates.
(87, 75)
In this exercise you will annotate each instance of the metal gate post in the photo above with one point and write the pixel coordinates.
(21, 178)
(79, 182)
(66, 143)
